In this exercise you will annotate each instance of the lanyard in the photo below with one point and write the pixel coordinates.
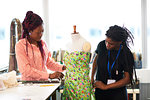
(109, 72)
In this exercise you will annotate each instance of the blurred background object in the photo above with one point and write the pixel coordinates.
(15, 35)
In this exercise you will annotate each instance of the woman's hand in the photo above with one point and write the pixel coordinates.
(101, 85)
(58, 75)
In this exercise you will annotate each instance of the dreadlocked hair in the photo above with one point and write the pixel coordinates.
(117, 33)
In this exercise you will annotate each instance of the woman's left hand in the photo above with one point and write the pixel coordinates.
(101, 85)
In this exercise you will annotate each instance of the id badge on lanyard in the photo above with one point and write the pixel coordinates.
(110, 81)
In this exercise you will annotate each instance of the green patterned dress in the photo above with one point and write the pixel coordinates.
(77, 84)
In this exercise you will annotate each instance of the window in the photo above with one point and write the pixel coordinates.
(148, 31)
(93, 18)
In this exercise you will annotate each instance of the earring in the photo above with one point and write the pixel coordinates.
(29, 33)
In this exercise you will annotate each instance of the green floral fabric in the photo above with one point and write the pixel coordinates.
(77, 84)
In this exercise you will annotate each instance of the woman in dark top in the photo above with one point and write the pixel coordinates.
(114, 63)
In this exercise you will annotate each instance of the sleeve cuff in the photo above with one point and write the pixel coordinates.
(45, 76)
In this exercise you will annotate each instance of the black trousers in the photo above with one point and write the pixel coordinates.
(114, 94)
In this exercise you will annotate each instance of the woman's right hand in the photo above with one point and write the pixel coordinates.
(58, 75)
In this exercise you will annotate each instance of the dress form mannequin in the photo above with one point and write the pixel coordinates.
(77, 84)
(78, 43)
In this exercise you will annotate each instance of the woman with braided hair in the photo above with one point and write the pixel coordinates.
(32, 54)
(114, 63)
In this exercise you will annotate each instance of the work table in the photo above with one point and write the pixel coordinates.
(29, 91)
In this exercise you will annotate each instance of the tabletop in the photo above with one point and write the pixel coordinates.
(29, 91)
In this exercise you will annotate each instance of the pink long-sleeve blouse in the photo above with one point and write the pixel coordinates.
(30, 62)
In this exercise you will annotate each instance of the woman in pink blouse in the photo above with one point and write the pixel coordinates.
(32, 54)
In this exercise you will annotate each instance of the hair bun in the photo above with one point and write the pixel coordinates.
(29, 13)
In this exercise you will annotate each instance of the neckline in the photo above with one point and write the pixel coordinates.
(75, 37)
(27, 41)
(76, 51)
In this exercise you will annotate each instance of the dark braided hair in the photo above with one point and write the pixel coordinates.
(117, 33)
(31, 22)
